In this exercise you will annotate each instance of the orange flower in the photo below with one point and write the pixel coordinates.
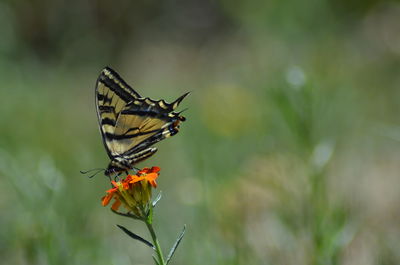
(134, 191)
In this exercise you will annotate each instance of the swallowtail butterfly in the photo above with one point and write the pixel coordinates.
(130, 124)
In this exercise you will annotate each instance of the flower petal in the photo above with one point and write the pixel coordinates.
(144, 171)
(115, 184)
(125, 185)
(152, 179)
(116, 204)
(155, 169)
(112, 190)
(151, 176)
(136, 179)
(106, 199)
(153, 183)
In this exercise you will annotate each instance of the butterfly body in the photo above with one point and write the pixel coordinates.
(131, 124)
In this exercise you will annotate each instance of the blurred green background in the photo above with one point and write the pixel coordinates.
(291, 149)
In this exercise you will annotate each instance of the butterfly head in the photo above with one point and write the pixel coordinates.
(109, 171)
(115, 167)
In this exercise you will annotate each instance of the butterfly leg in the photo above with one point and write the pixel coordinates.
(116, 178)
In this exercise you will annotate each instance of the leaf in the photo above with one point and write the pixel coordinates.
(155, 260)
(159, 195)
(134, 236)
(175, 246)
(126, 215)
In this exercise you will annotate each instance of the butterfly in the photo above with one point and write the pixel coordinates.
(130, 124)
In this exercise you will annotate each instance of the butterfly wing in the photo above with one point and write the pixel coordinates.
(112, 95)
(130, 124)
(144, 122)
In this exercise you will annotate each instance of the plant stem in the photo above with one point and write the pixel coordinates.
(156, 243)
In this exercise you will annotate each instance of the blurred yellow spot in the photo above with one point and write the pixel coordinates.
(229, 110)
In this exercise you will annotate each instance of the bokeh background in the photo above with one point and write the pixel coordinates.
(291, 149)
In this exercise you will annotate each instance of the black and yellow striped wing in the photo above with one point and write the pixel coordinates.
(129, 123)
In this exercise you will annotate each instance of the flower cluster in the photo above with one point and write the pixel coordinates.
(133, 192)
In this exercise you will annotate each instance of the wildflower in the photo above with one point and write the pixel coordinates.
(133, 192)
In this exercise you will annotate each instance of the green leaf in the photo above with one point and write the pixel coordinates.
(134, 236)
(127, 215)
(175, 246)
(155, 260)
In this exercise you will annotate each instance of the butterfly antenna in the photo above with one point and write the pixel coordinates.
(98, 170)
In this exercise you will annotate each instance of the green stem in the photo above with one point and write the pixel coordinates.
(156, 243)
